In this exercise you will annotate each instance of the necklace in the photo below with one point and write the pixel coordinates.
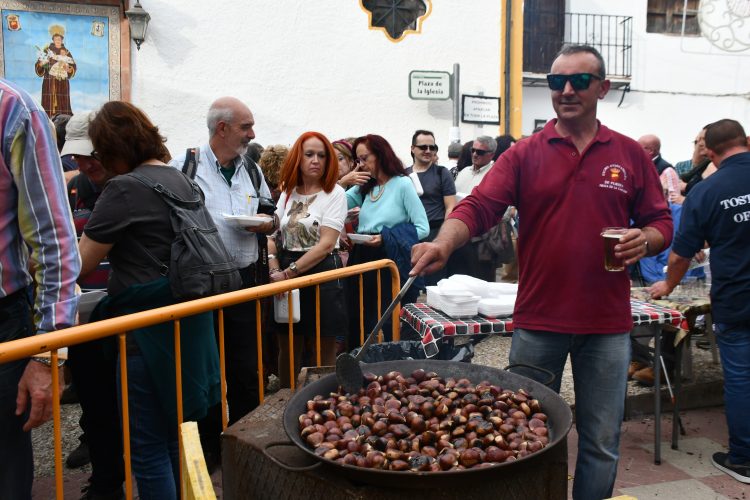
(380, 193)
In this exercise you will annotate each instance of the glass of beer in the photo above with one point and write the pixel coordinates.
(611, 237)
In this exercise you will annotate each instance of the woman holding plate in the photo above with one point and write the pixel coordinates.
(311, 211)
(391, 212)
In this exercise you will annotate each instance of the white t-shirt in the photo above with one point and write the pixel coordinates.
(302, 216)
(468, 178)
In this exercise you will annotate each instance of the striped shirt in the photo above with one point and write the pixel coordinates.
(35, 221)
(222, 199)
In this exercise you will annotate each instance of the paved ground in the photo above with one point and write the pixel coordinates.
(684, 474)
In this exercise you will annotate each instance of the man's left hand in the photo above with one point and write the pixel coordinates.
(632, 246)
(659, 289)
(36, 385)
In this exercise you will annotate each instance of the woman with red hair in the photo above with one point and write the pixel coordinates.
(311, 211)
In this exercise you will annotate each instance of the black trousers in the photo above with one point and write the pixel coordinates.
(93, 366)
(241, 356)
(16, 459)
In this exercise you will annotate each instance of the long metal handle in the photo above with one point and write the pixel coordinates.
(385, 316)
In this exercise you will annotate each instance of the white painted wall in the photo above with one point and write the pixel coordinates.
(309, 65)
(678, 85)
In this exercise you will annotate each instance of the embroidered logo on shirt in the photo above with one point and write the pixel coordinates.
(614, 177)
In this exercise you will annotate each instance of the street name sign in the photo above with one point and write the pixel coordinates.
(430, 85)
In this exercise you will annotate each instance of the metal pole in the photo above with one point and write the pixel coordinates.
(454, 135)
(506, 104)
(456, 93)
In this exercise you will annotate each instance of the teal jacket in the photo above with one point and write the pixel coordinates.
(201, 383)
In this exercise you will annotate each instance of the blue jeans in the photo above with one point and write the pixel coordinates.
(600, 366)
(733, 340)
(16, 458)
(154, 448)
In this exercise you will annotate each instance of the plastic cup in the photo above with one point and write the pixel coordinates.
(611, 237)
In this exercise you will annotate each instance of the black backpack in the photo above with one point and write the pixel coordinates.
(199, 264)
(266, 206)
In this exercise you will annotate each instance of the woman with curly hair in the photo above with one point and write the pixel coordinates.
(271, 161)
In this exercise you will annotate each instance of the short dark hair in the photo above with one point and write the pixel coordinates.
(464, 159)
(418, 133)
(725, 134)
(388, 162)
(60, 122)
(254, 150)
(122, 132)
(569, 50)
(504, 142)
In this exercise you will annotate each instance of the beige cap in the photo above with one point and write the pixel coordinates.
(77, 140)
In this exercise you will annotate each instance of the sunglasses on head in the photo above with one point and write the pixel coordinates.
(479, 152)
(427, 147)
(579, 81)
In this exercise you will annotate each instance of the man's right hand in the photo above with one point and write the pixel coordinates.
(35, 389)
(427, 258)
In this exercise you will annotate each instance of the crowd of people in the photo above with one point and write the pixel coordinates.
(567, 181)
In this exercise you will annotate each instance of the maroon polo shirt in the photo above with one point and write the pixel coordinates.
(564, 200)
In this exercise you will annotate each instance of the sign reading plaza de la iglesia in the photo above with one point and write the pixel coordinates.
(431, 85)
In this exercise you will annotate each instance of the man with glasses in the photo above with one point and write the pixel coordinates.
(91, 366)
(481, 161)
(467, 259)
(434, 184)
(570, 181)
(226, 182)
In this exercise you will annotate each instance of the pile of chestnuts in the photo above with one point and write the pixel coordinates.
(423, 422)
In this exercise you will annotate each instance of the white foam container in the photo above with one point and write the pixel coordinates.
(281, 307)
(456, 305)
(497, 306)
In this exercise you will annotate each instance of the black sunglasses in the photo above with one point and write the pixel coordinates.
(579, 81)
(479, 152)
(427, 147)
(95, 156)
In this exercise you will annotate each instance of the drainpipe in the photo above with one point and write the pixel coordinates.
(516, 67)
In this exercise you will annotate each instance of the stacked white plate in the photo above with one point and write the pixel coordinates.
(455, 303)
(496, 299)
(496, 307)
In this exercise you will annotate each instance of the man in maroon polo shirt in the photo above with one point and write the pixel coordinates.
(570, 181)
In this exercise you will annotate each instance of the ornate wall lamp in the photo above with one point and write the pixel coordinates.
(138, 20)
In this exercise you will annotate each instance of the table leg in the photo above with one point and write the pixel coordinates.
(676, 399)
(657, 395)
(711, 338)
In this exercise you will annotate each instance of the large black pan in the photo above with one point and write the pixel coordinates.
(558, 412)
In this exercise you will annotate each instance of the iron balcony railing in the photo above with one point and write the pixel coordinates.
(611, 35)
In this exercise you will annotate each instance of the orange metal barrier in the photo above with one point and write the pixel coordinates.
(51, 342)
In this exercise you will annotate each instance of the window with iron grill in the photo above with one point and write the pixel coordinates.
(665, 16)
(395, 16)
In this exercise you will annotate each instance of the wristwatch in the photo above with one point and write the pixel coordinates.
(47, 361)
(293, 267)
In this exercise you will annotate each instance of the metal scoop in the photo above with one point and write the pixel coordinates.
(348, 369)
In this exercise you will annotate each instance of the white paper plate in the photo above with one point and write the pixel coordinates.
(87, 302)
(359, 238)
(246, 220)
